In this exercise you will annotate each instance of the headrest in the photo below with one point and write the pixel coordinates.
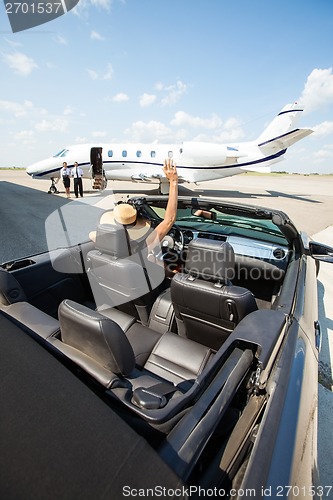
(10, 289)
(96, 336)
(112, 240)
(210, 260)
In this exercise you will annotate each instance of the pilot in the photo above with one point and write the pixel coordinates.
(138, 227)
(77, 174)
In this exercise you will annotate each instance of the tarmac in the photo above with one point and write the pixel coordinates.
(308, 201)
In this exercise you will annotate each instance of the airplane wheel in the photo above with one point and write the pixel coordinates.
(53, 190)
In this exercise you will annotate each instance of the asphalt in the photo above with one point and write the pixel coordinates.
(325, 395)
(307, 199)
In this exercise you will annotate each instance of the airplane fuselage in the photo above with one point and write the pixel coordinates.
(196, 161)
(144, 162)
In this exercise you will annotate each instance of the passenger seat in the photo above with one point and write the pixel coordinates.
(100, 347)
(207, 306)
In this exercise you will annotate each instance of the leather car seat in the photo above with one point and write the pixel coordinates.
(207, 306)
(120, 273)
(99, 346)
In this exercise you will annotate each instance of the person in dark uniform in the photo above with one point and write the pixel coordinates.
(66, 179)
(77, 174)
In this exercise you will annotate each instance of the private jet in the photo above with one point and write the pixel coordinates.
(196, 161)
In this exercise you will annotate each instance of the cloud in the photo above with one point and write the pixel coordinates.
(96, 36)
(13, 43)
(99, 133)
(231, 132)
(26, 137)
(68, 110)
(16, 108)
(109, 72)
(324, 154)
(60, 40)
(103, 4)
(108, 75)
(93, 74)
(228, 131)
(82, 8)
(229, 135)
(318, 90)
(21, 64)
(173, 92)
(181, 119)
(146, 100)
(148, 132)
(324, 128)
(56, 125)
(120, 97)
(50, 65)
(80, 140)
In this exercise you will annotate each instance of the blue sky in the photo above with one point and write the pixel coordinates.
(168, 71)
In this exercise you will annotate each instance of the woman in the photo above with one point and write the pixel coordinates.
(65, 175)
(137, 228)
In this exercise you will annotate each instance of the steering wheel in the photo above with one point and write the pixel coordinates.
(174, 240)
(172, 244)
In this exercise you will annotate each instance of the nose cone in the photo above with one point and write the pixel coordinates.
(30, 170)
(44, 169)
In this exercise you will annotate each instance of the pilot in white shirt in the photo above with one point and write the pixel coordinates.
(77, 174)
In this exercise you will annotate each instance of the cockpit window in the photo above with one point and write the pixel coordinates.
(61, 153)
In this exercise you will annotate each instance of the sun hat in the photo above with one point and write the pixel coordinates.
(126, 215)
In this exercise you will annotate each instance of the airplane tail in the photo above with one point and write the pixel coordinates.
(281, 133)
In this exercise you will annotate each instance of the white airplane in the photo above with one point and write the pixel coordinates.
(196, 161)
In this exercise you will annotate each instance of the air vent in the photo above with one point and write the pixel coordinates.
(211, 236)
(279, 253)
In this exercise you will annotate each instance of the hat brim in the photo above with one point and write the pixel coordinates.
(136, 232)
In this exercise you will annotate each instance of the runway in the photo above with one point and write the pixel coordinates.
(308, 201)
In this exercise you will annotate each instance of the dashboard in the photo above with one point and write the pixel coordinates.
(249, 253)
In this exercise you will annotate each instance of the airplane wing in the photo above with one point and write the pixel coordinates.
(284, 141)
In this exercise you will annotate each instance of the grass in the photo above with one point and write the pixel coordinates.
(12, 168)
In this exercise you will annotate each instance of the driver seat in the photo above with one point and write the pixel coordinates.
(207, 306)
(121, 274)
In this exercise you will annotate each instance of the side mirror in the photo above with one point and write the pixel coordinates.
(321, 252)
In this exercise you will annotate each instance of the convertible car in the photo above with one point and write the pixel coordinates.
(185, 372)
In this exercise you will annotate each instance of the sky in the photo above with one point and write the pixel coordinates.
(168, 71)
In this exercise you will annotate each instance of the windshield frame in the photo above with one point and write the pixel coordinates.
(237, 220)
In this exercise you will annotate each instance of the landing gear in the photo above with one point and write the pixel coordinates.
(53, 188)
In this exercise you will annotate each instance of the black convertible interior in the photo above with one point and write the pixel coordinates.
(179, 343)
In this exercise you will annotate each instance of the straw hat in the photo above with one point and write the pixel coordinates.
(126, 215)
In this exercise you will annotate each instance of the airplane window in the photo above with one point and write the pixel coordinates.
(58, 154)
(138, 154)
(124, 154)
(153, 154)
(64, 153)
(110, 153)
(170, 154)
